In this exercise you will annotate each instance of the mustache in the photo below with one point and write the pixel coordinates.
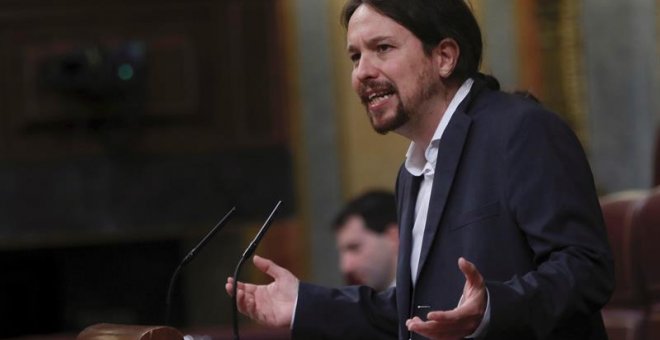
(371, 86)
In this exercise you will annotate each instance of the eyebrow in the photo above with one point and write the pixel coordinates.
(372, 41)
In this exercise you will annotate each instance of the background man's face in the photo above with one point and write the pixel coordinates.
(366, 257)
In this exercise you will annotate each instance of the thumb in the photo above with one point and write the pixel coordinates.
(472, 275)
(269, 267)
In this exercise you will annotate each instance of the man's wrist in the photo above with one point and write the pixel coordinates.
(485, 321)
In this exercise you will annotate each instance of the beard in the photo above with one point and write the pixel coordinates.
(427, 87)
(401, 117)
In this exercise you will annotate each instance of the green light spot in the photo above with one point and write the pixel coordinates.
(125, 72)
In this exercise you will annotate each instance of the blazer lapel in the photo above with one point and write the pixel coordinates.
(407, 187)
(449, 155)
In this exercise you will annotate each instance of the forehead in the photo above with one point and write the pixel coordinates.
(367, 24)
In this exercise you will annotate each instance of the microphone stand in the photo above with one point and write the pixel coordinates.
(191, 255)
(247, 254)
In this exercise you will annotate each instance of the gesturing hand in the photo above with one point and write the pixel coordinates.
(462, 320)
(272, 304)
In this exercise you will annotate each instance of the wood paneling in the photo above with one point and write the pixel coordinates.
(199, 76)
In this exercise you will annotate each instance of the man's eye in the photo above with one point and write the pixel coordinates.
(355, 57)
(383, 48)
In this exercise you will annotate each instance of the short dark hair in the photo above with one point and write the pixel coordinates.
(431, 21)
(377, 208)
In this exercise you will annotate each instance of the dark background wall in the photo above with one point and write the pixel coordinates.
(127, 129)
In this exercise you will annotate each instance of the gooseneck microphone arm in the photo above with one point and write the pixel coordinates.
(246, 255)
(191, 254)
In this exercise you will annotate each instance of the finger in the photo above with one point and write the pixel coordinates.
(230, 281)
(240, 301)
(245, 302)
(413, 320)
(425, 328)
(248, 305)
(248, 287)
(463, 318)
(269, 267)
(229, 286)
(472, 275)
(445, 316)
(441, 325)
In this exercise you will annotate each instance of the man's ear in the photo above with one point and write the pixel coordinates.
(445, 55)
(392, 233)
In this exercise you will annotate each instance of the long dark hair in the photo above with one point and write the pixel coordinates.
(431, 21)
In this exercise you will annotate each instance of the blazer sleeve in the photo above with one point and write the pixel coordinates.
(551, 195)
(354, 312)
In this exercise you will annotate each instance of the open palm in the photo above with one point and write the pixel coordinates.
(462, 320)
(271, 304)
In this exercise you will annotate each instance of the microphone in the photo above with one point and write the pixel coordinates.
(193, 252)
(249, 251)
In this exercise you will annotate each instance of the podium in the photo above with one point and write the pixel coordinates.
(108, 331)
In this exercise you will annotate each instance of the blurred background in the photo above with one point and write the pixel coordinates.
(129, 128)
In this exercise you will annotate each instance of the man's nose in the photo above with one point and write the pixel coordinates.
(346, 264)
(365, 69)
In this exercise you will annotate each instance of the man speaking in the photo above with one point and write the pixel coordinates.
(501, 233)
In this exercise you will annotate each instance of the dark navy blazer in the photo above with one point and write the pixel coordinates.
(512, 193)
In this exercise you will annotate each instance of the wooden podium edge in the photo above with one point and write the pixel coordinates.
(108, 331)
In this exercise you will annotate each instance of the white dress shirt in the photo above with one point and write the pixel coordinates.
(422, 162)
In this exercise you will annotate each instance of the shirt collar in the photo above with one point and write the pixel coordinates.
(416, 158)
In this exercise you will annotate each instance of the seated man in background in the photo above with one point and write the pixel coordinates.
(368, 240)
